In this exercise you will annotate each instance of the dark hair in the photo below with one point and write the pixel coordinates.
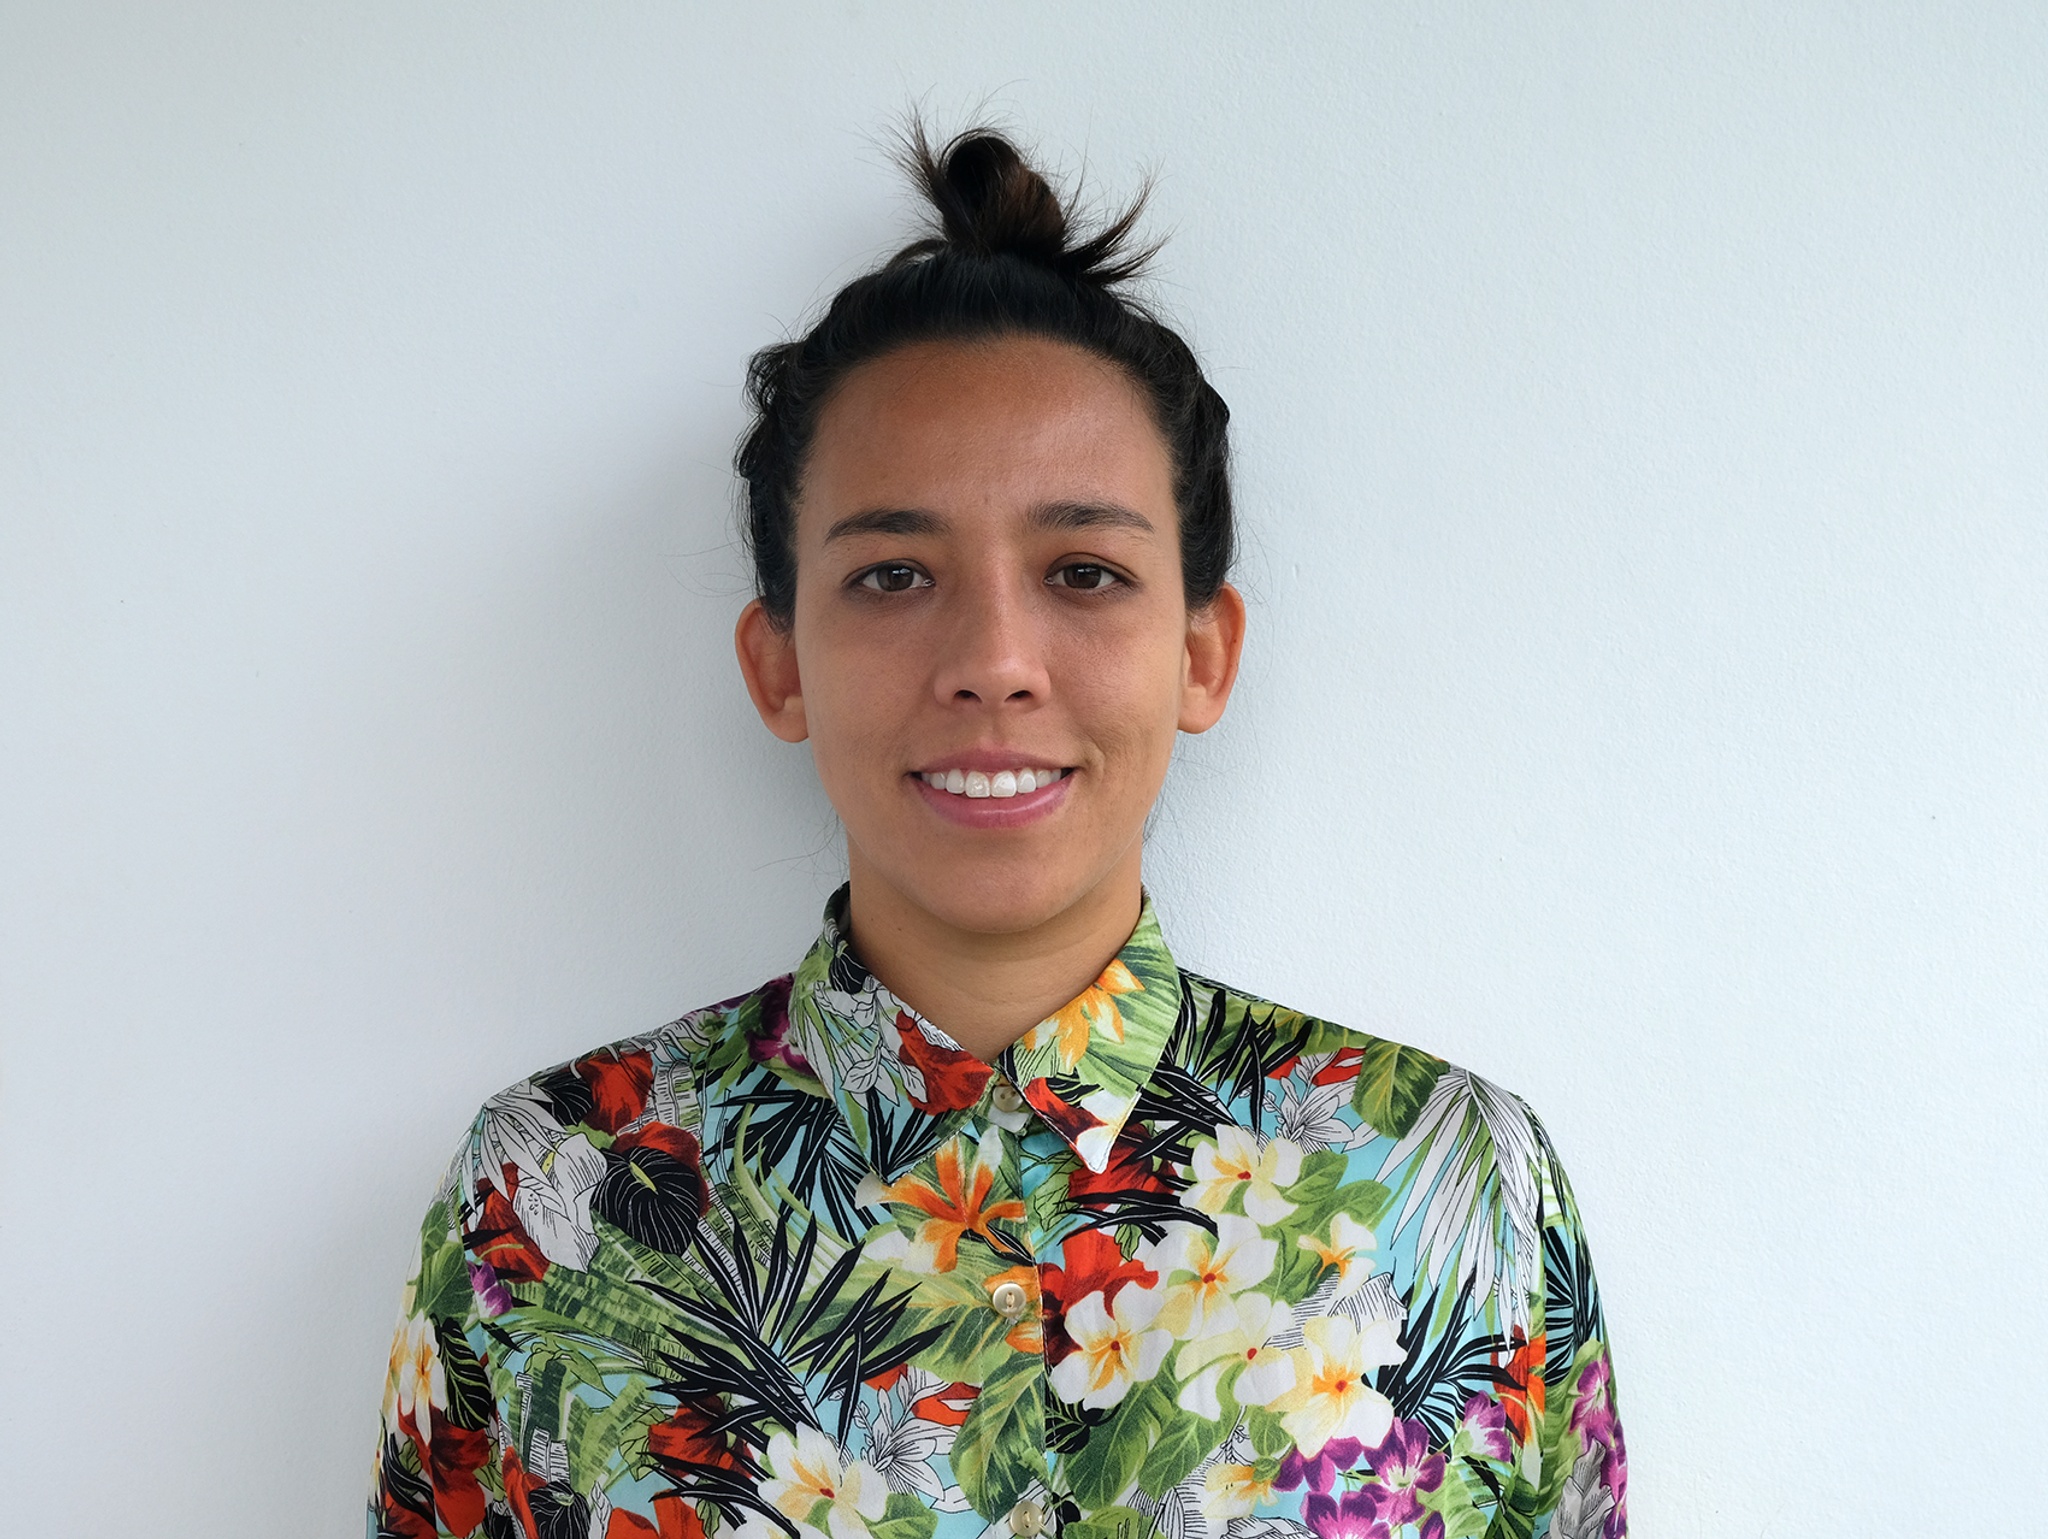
(1004, 260)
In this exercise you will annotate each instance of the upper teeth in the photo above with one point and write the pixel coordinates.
(1001, 783)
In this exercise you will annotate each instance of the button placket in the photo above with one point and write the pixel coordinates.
(1009, 1300)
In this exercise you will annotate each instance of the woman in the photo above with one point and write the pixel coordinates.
(992, 1218)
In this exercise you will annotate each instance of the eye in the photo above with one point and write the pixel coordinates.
(892, 577)
(1085, 576)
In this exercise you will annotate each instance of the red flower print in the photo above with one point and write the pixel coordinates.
(689, 1437)
(676, 1518)
(953, 1080)
(1342, 1068)
(618, 1083)
(1127, 1170)
(452, 1459)
(1068, 1120)
(948, 1406)
(518, 1487)
(1092, 1262)
(501, 1242)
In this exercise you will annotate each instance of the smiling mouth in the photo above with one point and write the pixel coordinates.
(999, 786)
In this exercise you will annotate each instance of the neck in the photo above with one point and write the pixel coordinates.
(986, 990)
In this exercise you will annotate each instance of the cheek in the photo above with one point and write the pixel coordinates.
(1126, 691)
(854, 704)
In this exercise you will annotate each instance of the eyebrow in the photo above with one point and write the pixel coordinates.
(886, 521)
(1049, 515)
(1089, 515)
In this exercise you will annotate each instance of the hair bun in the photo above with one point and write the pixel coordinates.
(991, 202)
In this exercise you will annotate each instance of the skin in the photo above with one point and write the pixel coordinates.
(988, 574)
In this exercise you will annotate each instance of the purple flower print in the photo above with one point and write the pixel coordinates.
(1486, 1424)
(1593, 1416)
(1616, 1476)
(1355, 1515)
(769, 1043)
(1319, 1473)
(492, 1298)
(1404, 1466)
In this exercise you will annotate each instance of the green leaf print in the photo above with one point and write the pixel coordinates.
(442, 1287)
(1393, 1083)
(1183, 1443)
(998, 1450)
(1102, 1469)
(1270, 1438)
(905, 1518)
(1110, 1523)
(1515, 1517)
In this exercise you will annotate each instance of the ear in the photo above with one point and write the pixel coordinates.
(1215, 642)
(767, 653)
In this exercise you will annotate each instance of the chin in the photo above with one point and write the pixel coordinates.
(1004, 896)
(1006, 903)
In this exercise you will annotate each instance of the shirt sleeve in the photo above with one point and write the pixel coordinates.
(435, 1470)
(1581, 1477)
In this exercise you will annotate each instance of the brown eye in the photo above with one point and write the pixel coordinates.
(892, 577)
(1085, 576)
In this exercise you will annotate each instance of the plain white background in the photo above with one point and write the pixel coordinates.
(1642, 436)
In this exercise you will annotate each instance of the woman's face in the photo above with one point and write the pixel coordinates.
(989, 598)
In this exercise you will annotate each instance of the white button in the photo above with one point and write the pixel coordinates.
(1008, 1097)
(1026, 1519)
(1009, 1300)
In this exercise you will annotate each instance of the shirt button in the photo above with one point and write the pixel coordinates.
(1009, 1099)
(1027, 1519)
(1009, 1301)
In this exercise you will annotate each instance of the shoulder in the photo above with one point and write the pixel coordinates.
(544, 1143)
(1389, 1085)
(1413, 1121)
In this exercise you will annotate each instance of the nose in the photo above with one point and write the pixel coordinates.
(992, 653)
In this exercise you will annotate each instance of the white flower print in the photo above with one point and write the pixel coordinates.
(553, 1202)
(1348, 1252)
(1240, 1333)
(1307, 1112)
(902, 1444)
(1235, 1162)
(417, 1380)
(1114, 1348)
(1332, 1395)
(1201, 1271)
(808, 1469)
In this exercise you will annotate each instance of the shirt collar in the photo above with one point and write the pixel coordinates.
(903, 1084)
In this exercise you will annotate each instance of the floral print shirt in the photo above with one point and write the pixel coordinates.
(1182, 1262)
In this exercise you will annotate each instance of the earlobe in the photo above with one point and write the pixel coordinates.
(1215, 643)
(767, 654)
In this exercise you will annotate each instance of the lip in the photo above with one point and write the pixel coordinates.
(989, 761)
(992, 812)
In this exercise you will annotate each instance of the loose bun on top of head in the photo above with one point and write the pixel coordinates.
(991, 203)
(1003, 260)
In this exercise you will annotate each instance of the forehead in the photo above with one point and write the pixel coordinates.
(985, 427)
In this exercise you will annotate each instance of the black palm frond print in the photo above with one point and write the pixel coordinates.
(763, 1338)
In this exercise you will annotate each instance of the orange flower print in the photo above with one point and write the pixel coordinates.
(957, 1206)
(1521, 1396)
(1094, 1010)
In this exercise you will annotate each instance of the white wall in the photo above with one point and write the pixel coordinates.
(1643, 437)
